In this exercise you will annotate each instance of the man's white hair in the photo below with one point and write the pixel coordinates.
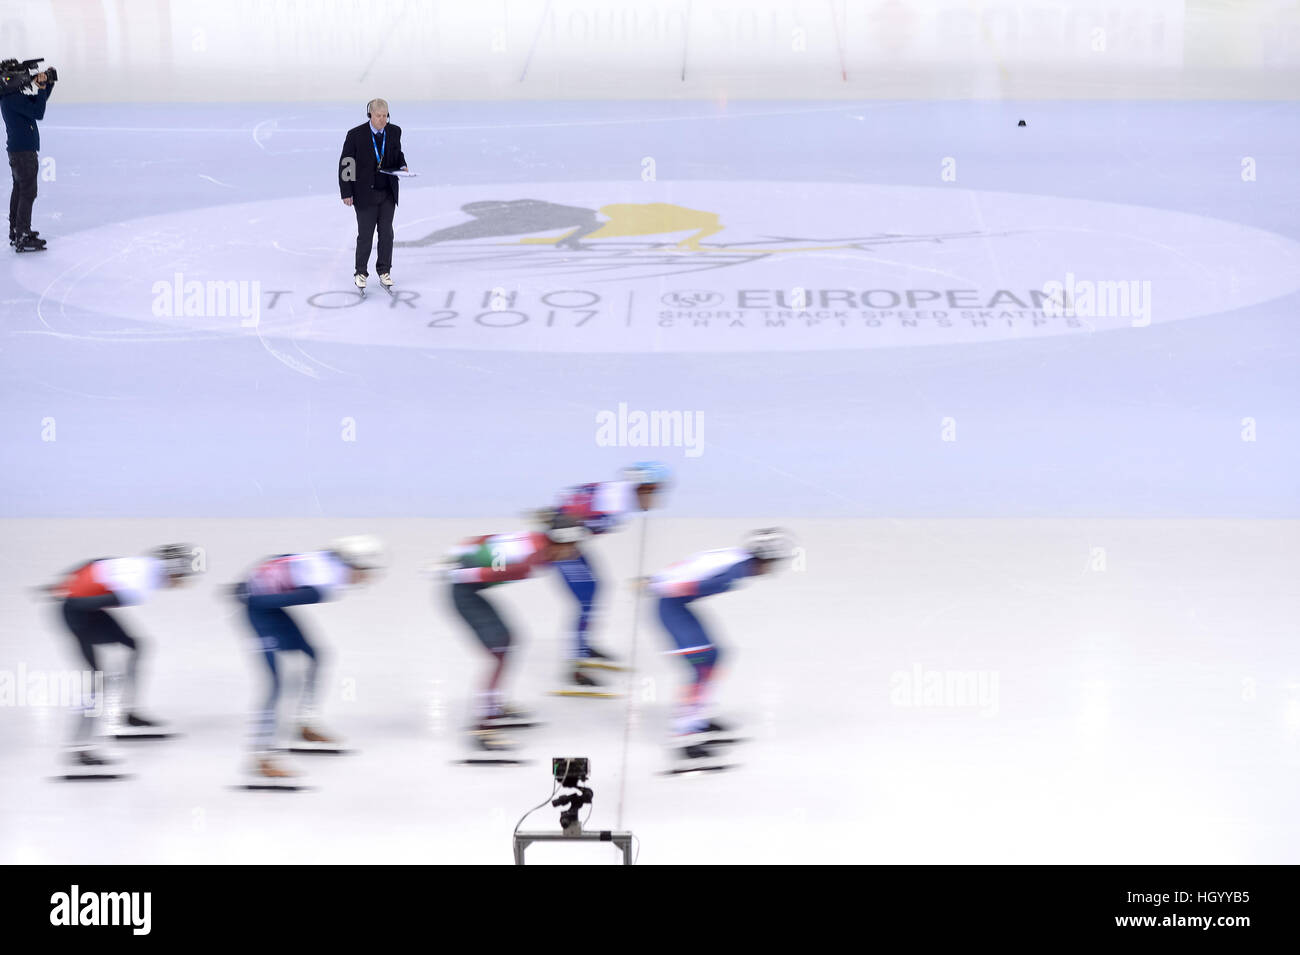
(375, 104)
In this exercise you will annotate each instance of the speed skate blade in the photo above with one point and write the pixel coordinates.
(709, 739)
(142, 734)
(588, 694)
(328, 749)
(513, 724)
(83, 777)
(599, 665)
(272, 786)
(698, 770)
(491, 761)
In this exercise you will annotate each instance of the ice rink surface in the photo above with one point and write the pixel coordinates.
(1093, 518)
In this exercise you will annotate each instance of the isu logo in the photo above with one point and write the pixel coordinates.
(692, 299)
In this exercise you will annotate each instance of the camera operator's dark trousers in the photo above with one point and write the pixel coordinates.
(368, 217)
(24, 167)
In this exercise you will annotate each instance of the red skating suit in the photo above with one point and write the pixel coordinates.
(601, 507)
(130, 579)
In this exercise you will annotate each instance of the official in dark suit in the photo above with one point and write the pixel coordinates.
(367, 149)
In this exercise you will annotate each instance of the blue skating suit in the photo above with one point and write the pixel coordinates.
(705, 574)
(287, 581)
(600, 507)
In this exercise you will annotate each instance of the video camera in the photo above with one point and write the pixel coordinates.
(16, 75)
(569, 772)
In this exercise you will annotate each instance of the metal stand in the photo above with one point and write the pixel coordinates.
(621, 840)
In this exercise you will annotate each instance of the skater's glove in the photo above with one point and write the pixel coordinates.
(438, 570)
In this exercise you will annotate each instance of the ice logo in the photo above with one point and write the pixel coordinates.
(691, 299)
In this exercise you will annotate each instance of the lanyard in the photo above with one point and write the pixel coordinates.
(380, 149)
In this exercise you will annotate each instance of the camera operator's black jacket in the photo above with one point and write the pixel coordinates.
(20, 113)
(370, 184)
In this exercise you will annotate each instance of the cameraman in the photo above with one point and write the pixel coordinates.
(21, 110)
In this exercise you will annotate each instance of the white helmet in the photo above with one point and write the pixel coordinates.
(359, 551)
(770, 543)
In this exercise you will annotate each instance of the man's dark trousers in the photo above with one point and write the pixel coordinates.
(23, 166)
(368, 216)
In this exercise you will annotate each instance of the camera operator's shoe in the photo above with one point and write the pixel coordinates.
(29, 243)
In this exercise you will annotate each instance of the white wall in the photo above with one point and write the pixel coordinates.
(287, 50)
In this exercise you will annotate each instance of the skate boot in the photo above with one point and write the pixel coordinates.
(29, 243)
(489, 739)
(386, 280)
(696, 751)
(577, 682)
(266, 766)
(690, 757)
(359, 281)
(309, 735)
(88, 758)
(594, 659)
(136, 721)
(509, 717)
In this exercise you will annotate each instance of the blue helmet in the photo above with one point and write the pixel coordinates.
(646, 472)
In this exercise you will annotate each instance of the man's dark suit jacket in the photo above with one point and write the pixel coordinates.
(370, 185)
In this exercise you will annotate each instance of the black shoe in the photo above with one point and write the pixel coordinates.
(87, 758)
(29, 243)
(138, 721)
(714, 727)
(580, 678)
